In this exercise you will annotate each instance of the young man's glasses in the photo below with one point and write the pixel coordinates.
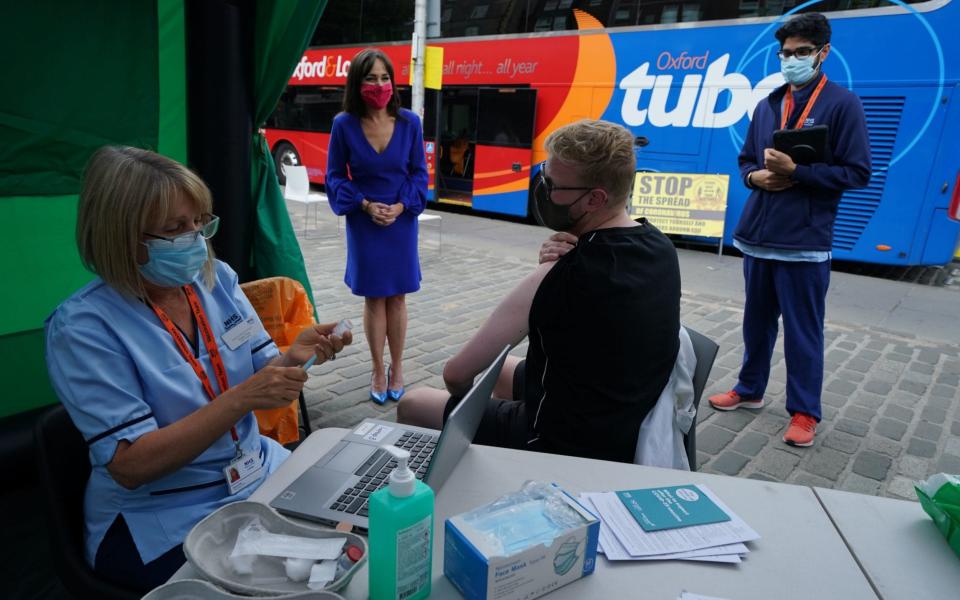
(801, 52)
(547, 183)
(209, 224)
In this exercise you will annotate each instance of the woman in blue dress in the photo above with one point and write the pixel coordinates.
(160, 361)
(377, 177)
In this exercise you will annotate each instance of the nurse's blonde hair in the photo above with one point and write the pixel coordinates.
(127, 191)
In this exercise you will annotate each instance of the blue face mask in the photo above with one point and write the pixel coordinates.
(175, 262)
(798, 71)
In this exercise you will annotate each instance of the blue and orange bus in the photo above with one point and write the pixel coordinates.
(684, 77)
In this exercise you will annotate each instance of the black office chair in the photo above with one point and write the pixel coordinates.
(705, 350)
(63, 472)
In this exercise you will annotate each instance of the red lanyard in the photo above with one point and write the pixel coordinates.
(209, 341)
(788, 104)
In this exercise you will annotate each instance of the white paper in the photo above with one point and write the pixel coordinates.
(363, 428)
(637, 542)
(378, 432)
(321, 574)
(611, 547)
(689, 596)
(253, 539)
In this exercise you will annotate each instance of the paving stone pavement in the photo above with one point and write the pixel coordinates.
(890, 400)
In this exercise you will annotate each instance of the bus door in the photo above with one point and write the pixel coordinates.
(454, 163)
(503, 152)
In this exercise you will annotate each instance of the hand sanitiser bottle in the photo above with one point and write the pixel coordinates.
(401, 535)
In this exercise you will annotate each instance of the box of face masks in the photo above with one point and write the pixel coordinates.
(520, 546)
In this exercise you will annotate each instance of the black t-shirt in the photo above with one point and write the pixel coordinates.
(603, 342)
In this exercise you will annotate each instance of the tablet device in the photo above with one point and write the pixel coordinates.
(805, 146)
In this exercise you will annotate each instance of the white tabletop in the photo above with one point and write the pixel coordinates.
(800, 554)
(897, 545)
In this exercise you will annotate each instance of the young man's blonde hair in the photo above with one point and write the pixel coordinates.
(601, 151)
(126, 192)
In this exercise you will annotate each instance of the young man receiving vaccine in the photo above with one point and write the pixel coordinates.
(601, 313)
(786, 229)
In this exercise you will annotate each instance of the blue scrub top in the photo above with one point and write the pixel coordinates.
(120, 375)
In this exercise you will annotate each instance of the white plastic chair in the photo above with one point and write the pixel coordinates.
(423, 218)
(298, 190)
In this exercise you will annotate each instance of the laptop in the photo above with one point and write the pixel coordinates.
(337, 487)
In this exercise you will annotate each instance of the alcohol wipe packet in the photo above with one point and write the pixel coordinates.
(940, 497)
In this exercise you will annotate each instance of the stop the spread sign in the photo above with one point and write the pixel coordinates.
(682, 203)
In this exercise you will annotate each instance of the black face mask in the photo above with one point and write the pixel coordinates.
(553, 216)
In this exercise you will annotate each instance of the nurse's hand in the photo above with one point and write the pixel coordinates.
(317, 340)
(273, 386)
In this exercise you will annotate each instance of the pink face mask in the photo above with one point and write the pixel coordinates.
(376, 96)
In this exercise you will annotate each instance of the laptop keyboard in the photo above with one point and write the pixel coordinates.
(374, 473)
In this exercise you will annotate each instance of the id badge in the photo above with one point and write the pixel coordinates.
(242, 471)
(239, 333)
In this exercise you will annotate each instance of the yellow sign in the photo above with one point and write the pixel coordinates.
(433, 67)
(682, 203)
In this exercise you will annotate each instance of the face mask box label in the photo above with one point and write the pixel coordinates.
(480, 574)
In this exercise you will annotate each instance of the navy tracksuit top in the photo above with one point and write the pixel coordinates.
(801, 217)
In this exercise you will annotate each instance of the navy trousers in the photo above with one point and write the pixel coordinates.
(118, 560)
(798, 291)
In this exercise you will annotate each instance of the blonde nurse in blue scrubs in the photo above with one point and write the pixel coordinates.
(160, 361)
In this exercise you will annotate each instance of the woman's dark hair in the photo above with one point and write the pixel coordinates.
(809, 26)
(361, 64)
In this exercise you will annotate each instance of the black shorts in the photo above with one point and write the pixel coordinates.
(504, 422)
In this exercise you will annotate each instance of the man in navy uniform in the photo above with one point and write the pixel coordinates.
(786, 229)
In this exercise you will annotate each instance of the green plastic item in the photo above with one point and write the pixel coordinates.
(940, 497)
(401, 535)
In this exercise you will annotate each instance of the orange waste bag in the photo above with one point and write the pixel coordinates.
(285, 310)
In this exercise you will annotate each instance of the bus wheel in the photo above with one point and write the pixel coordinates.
(285, 155)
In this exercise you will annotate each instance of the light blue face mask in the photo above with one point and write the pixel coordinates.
(176, 261)
(798, 71)
(517, 526)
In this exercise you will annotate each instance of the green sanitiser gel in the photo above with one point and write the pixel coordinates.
(401, 535)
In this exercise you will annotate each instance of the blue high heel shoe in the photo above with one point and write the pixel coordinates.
(394, 395)
(377, 397)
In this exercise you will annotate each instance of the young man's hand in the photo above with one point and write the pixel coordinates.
(556, 246)
(770, 181)
(778, 162)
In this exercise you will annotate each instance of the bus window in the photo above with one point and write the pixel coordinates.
(457, 144)
(483, 17)
(554, 15)
(306, 108)
(506, 117)
(429, 120)
(391, 20)
(375, 21)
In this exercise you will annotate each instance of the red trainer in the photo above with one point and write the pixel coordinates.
(801, 430)
(731, 400)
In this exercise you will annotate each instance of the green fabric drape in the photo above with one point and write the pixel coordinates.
(76, 76)
(283, 30)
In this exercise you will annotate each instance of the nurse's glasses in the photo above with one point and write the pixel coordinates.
(209, 224)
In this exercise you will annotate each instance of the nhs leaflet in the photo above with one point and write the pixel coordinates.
(671, 507)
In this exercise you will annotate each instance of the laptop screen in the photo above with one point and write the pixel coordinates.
(462, 424)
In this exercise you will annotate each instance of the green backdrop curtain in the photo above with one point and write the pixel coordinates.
(283, 30)
(76, 76)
